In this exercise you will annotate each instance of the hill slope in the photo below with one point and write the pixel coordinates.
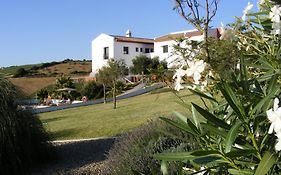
(66, 67)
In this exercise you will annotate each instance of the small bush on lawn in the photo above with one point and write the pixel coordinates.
(90, 89)
(133, 150)
(23, 140)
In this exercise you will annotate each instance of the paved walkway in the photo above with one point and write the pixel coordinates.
(138, 90)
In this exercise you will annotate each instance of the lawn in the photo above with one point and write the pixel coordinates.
(102, 120)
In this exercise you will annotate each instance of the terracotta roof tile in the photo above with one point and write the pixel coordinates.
(169, 37)
(174, 36)
(133, 39)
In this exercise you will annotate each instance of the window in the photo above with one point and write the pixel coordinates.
(137, 49)
(165, 49)
(146, 50)
(105, 53)
(126, 50)
(151, 50)
(140, 49)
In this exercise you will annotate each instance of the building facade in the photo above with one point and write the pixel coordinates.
(126, 47)
(106, 47)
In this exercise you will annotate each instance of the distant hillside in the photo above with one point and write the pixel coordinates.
(10, 71)
(67, 67)
(30, 85)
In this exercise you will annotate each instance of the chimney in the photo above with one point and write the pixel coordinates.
(128, 33)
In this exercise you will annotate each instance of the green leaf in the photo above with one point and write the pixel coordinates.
(180, 117)
(266, 76)
(266, 163)
(183, 126)
(262, 67)
(205, 152)
(193, 127)
(206, 159)
(174, 156)
(195, 118)
(240, 172)
(137, 173)
(240, 153)
(232, 100)
(272, 83)
(245, 163)
(231, 136)
(214, 130)
(211, 117)
(264, 103)
(164, 167)
(258, 13)
(204, 95)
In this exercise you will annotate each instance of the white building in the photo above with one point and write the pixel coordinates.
(105, 47)
(127, 47)
(164, 45)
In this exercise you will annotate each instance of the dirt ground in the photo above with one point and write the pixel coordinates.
(77, 158)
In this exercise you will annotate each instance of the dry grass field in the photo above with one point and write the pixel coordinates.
(31, 85)
(68, 68)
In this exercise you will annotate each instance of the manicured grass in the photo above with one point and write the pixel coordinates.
(102, 120)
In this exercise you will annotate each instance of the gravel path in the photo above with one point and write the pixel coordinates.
(77, 158)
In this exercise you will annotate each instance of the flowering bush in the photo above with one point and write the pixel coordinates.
(235, 127)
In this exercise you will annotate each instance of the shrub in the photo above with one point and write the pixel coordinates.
(133, 150)
(42, 93)
(90, 89)
(21, 72)
(140, 65)
(23, 140)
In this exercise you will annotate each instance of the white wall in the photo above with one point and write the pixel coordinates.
(98, 45)
(158, 50)
(119, 54)
(170, 56)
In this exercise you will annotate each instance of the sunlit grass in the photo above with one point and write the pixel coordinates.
(102, 120)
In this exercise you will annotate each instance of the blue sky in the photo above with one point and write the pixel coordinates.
(35, 31)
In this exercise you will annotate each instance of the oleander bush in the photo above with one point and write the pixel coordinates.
(133, 151)
(23, 140)
(239, 126)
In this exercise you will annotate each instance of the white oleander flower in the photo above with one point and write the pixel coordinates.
(276, 28)
(278, 144)
(275, 14)
(274, 116)
(178, 85)
(247, 10)
(195, 69)
(178, 76)
(261, 2)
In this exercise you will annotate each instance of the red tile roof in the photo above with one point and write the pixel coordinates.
(133, 39)
(174, 36)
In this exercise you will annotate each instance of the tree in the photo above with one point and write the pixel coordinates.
(109, 75)
(191, 11)
(90, 89)
(64, 82)
(140, 65)
(21, 72)
(157, 68)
